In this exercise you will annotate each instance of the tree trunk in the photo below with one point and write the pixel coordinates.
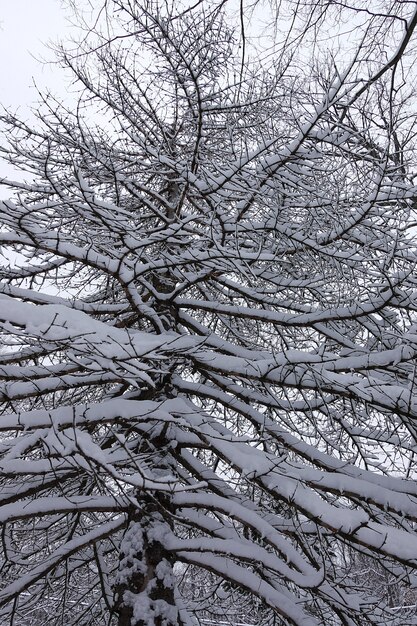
(145, 582)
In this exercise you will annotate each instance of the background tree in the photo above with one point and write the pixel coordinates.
(208, 317)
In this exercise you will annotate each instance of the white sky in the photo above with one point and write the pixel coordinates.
(24, 26)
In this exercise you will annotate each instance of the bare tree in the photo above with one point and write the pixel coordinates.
(208, 315)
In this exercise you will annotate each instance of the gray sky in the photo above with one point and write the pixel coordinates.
(24, 25)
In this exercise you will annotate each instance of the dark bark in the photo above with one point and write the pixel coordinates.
(144, 589)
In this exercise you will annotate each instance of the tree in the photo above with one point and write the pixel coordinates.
(208, 316)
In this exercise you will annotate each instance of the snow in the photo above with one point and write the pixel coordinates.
(151, 611)
(136, 541)
(54, 504)
(131, 549)
(89, 537)
(241, 351)
(278, 599)
(164, 573)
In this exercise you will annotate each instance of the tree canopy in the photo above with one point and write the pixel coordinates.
(208, 319)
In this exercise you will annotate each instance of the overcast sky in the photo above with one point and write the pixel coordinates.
(24, 26)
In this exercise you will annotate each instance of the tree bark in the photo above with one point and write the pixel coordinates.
(144, 588)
